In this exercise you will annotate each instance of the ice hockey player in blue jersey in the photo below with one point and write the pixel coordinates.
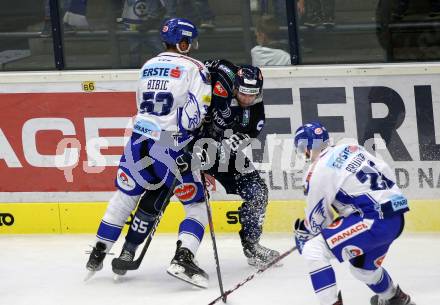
(370, 209)
(236, 115)
(173, 95)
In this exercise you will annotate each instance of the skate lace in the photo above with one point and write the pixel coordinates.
(265, 253)
(126, 256)
(97, 253)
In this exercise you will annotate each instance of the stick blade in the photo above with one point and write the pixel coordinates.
(125, 265)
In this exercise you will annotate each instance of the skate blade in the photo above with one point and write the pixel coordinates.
(117, 276)
(89, 275)
(196, 280)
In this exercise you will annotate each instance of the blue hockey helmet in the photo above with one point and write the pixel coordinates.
(176, 29)
(311, 136)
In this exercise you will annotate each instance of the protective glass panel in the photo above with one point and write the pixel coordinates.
(342, 31)
(25, 36)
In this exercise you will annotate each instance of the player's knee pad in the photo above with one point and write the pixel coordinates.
(368, 277)
(316, 249)
(152, 201)
(119, 208)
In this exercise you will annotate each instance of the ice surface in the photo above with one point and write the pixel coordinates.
(49, 269)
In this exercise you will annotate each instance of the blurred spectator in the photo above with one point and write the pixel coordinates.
(319, 12)
(143, 15)
(402, 9)
(268, 51)
(197, 10)
(279, 9)
(74, 16)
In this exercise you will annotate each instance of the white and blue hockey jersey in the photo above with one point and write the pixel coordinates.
(351, 180)
(174, 92)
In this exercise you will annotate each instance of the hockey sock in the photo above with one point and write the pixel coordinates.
(140, 228)
(191, 234)
(324, 284)
(108, 233)
(118, 210)
(192, 228)
(317, 255)
(384, 287)
(252, 212)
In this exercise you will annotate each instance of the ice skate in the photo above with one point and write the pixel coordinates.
(95, 259)
(258, 255)
(399, 298)
(184, 268)
(126, 255)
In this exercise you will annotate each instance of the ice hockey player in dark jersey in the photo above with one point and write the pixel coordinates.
(235, 116)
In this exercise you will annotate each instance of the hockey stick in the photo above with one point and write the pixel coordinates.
(250, 277)
(134, 265)
(214, 244)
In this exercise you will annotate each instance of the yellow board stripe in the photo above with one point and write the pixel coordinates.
(84, 217)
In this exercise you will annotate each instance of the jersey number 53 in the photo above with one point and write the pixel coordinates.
(159, 103)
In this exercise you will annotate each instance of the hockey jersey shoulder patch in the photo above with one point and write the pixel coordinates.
(219, 90)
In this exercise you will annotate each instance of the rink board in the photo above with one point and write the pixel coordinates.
(58, 160)
(85, 217)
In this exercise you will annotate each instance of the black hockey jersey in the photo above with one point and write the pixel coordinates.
(224, 112)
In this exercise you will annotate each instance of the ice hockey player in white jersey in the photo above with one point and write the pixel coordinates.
(173, 95)
(369, 207)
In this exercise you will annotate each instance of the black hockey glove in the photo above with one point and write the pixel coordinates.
(196, 160)
(236, 140)
(302, 235)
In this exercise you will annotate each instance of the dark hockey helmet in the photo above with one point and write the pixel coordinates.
(249, 80)
(175, 30)
(249, 85)
(311, 136)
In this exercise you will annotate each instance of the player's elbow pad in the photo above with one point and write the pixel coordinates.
(191, 115)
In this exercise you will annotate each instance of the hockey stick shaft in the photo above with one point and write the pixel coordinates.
(214, 244)
(134, 265)
(251, 276)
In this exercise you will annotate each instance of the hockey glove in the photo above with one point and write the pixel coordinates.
(183, 162)
(236, 140)
(188, 161)
(302, 235)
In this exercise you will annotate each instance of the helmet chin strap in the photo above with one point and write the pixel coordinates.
(183, 52)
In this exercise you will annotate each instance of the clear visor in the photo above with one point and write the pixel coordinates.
(195, 44)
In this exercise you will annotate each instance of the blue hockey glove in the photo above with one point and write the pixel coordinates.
(302, 235)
